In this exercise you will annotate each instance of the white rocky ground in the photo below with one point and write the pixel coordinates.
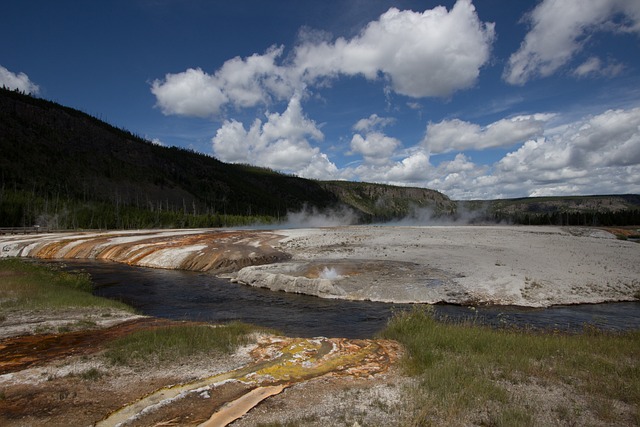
(509, 265)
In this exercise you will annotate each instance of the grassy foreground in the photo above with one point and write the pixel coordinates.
(28, 286)
(469, 374)
(170, 344)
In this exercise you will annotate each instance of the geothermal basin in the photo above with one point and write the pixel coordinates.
(469, 265)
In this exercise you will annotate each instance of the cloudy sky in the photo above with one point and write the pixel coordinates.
(477, 99)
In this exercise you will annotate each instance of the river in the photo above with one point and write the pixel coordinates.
(196, 296)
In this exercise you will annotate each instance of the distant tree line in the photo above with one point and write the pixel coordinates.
(61, 166)
(597, 218)
(22, 209)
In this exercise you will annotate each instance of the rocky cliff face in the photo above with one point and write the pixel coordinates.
(386, 202)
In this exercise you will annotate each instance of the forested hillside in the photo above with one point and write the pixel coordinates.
(598, 210)
(62, 168)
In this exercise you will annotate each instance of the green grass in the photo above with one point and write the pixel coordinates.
(173, 343)
(463, 368)
(29, 286)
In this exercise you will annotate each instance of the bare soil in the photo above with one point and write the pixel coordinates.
(63, 379)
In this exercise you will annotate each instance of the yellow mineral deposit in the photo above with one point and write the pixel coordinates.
(280, 362)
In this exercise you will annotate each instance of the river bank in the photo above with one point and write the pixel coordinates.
(197, 296)
(57, 366)
(444, 374)
(467, 265)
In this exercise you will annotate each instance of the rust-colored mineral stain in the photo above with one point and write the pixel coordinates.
(17, 353)
(223, 251)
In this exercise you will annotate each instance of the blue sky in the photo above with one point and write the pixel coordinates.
(477, 99)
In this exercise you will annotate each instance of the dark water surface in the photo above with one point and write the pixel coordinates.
(188, 295)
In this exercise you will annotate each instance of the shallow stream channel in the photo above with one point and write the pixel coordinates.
(185, 295)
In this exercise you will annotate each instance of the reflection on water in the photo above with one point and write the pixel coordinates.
(200, 296)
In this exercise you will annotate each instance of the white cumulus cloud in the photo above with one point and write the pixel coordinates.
(239, 82)
(598, 154)
(459, 135)
(428, 54)
(256, 79)
(281, 143)
(375, 147)
(561, 28)
(373, 122)
(413, 169)
(18, 81)
(433, 53)
(190, 93)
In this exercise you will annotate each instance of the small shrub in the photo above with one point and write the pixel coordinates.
(92, 374)
(84, 324)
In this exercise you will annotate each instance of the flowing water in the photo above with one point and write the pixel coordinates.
(196, 296)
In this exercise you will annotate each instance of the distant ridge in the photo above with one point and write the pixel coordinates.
(599, 210)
